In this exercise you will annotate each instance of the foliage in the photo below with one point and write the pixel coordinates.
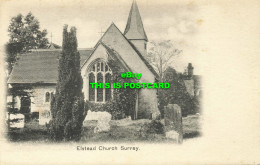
(124, 99)
(176, 94)
(161, 54)
(67, 106)
(197, 103)
(25, 34)
(154, 127)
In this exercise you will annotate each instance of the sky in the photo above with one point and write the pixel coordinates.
(167, 20)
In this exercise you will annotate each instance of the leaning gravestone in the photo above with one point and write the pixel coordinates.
(173, 122)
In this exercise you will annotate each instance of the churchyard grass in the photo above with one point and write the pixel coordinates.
(32, 132)
(121, 131)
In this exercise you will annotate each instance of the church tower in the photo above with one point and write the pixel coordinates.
(134, 30)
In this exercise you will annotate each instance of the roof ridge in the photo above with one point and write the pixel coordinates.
(133, 47)
(99, 42)
(39, 66)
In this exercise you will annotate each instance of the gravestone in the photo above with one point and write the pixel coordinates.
(102, 118)
(173, 122)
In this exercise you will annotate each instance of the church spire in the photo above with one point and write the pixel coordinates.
(134, 29)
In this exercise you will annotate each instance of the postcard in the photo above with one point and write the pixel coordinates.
(130, 82)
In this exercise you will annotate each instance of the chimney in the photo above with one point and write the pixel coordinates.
(190, 70)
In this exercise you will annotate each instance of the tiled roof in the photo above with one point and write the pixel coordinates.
(40, 66)
(134, 27)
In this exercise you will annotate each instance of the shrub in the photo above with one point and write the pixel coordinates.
(35, 115)
(27, 117)
(176, 94)
(67, 106)
(124, 99)
(154, 127)
(197, 103)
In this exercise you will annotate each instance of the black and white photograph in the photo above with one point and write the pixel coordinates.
(169, 79)
(49, 92)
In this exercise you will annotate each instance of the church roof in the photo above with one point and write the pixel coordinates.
(117, 57)
(40, 66)
(116, 41)
(53, 46)
(134, 27)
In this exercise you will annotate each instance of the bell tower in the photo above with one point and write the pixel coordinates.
(134, 30)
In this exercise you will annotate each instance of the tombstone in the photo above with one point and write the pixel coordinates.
(102, 125)
(173, 122)
(102, 118)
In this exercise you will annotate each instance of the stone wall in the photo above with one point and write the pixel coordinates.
(38, 99)
(39, 104)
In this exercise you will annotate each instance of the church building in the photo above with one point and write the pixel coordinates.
(40, 69)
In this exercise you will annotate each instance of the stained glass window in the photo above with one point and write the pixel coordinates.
(102, 66)
(108, 90)
(99, 90)
(91, 90)
(98, 67)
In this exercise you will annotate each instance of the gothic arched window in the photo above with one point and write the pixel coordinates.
(108, 90)
(100, 90)
(91, 90)
(99, 72)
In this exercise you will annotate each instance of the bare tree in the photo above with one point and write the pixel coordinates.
(161, 54)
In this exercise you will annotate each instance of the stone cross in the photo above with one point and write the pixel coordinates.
(101, 33)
